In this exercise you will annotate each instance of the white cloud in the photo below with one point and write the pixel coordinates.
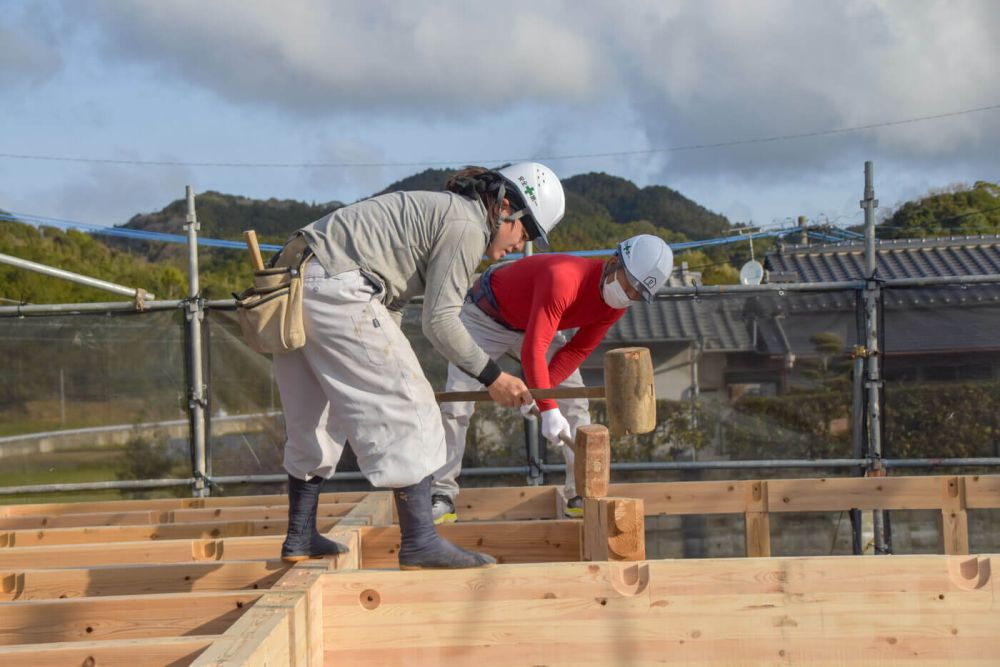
(28, 52)
(696, 72)
(403, 81)
(315, 57)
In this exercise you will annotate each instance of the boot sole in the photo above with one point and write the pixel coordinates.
(299, 559)
(450, 517)
(484, 566)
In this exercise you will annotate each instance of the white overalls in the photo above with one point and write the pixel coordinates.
(358, 380)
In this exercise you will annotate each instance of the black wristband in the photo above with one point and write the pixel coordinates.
(490, 373)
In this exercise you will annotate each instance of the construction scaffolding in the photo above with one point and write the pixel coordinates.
(129, 354)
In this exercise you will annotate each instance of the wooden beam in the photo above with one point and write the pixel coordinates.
(827, 611)
(307, 578)
(686, 497)
(165, 551)
(509, 541)
(376, 509)
(125, 617)
(162, 504)
(33, 584)
(154, 652)
(864, 493)
(982, 491)
(260, 638)
(350, 537)
(148, 517)
(163, 531)
(507, 503)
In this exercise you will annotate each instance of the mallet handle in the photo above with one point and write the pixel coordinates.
(558, 392)
(251, 238)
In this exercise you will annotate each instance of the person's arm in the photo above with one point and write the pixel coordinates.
(455, 256)
(572, 354)
(549, 302)
(453, 259)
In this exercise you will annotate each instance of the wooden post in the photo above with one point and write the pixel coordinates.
(592, 465)
(614, 529)
(758, 525)
(955, 520)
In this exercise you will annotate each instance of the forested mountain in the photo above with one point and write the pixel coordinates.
(224, 216)
(656, 204)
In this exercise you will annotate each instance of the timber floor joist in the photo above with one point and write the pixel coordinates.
(198, 582)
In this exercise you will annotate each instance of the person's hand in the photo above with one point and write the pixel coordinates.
(509, 391)
(555, 426)
(529, 410)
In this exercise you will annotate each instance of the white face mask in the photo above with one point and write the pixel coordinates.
(614, 294)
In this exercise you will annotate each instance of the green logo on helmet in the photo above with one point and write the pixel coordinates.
(528, 190)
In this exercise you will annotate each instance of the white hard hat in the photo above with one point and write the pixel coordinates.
(648, 262)
(541, 193)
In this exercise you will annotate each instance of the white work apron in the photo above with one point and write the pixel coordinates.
(356, 379)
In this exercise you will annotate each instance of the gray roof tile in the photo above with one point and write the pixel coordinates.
(899, 258)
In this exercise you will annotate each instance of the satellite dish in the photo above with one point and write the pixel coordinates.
(751, 273)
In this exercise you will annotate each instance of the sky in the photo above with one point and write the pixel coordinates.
(109, 108)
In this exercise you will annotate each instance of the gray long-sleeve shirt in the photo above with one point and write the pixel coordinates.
(414, 243)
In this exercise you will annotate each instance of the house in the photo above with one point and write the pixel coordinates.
(939, 333)
(725, 346)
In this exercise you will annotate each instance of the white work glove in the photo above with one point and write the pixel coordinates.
(529, 410)
(554, 425)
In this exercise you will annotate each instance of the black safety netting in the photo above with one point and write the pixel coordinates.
(88, 398)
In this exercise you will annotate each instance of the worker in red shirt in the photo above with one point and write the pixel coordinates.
(522, 308)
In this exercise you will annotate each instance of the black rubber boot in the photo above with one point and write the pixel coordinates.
(421, 548)
(303, 540)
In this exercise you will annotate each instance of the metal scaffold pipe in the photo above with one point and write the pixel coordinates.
(196, 390)
(134, 292)
(872, 296)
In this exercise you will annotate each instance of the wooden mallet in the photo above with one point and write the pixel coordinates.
(628, 390)
(255, 259)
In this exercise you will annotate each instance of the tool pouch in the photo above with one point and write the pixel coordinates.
(270, 312)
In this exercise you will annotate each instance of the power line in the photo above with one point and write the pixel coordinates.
(550, 158)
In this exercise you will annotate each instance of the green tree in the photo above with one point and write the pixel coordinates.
(960, 210)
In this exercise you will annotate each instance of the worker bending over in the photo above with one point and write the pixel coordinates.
(522, 308)
(357, 378)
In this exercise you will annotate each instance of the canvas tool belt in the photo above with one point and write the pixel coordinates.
(270, 312)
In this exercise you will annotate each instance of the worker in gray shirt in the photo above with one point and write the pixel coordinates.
(357, 378)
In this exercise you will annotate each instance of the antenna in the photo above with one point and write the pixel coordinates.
(752, 272)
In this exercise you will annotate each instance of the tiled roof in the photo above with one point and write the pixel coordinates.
(718, 323)
(901, 258)
(726, 323)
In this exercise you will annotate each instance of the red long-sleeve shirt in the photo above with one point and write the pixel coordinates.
(542, 294)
